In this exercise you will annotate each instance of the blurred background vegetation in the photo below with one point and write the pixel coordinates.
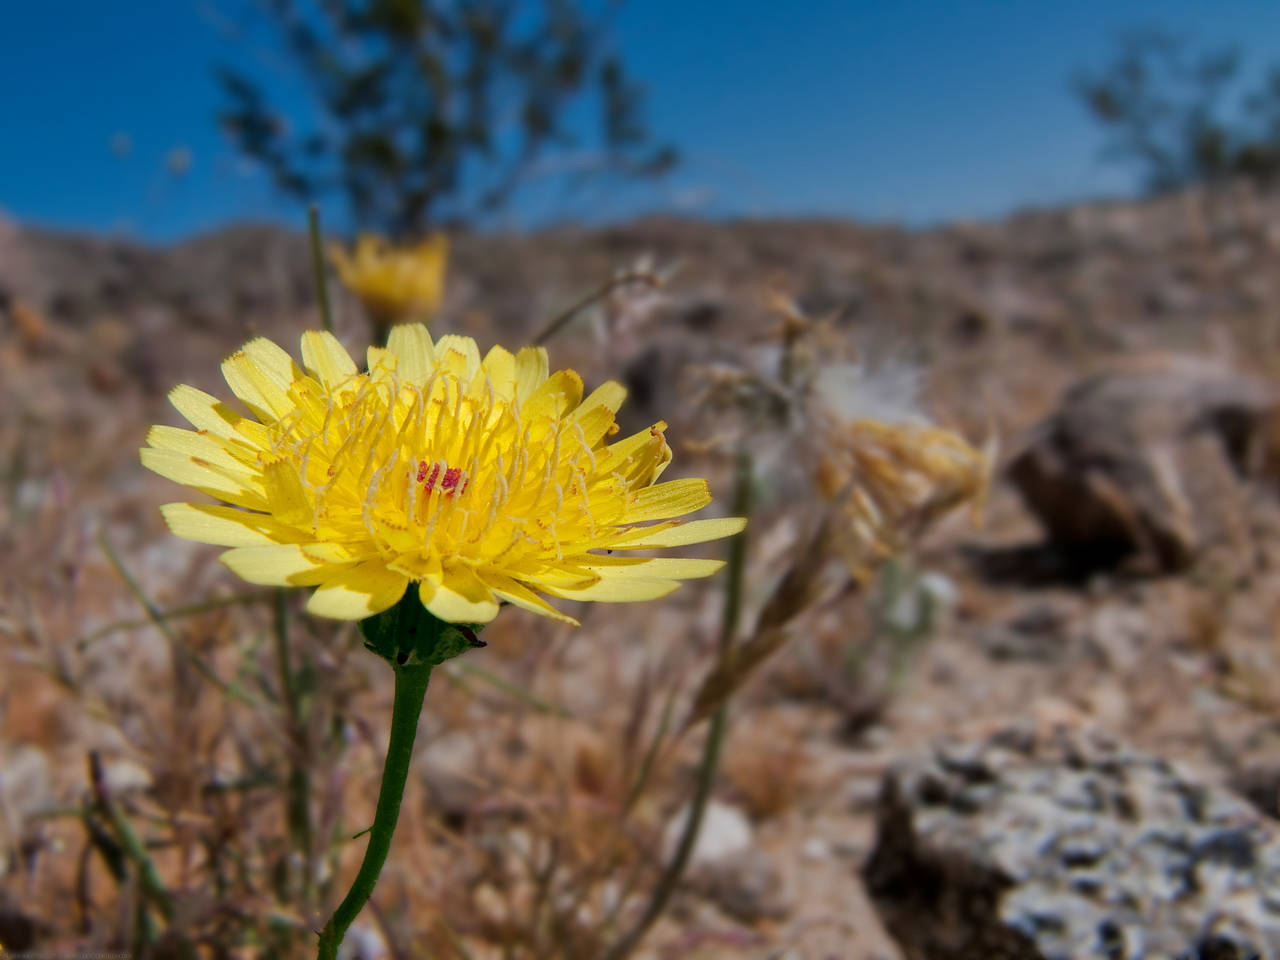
(432, 113)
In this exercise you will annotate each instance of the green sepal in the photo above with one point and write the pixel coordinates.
(409, 635)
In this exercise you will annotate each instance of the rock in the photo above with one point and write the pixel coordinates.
(126, 776)
(725, 831)
(362, 943)
(452, 770)
(1071, 848)
(749, 886)
(26, 789)
(729, 868)
(815, 849)
(1118, 633)
(1259, 783)
(1147, 459)
(1040, 632)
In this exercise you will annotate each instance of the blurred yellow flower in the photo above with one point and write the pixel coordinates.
(395, 284)
(482, 480)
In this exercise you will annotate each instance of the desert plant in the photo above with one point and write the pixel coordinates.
(417, 497)
(1180, 116)
(429, 112)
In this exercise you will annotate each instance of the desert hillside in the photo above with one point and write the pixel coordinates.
(901, 779)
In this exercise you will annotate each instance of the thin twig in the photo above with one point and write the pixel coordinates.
(509, 687)
(651, 755)
(174, 613)
(298, 792)
(455, 940)
(157, 617)
(647, 277)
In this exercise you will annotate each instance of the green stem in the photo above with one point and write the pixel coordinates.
(149, 878)
(317, 265)
(411, 690)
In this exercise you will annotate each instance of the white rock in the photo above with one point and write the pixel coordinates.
(25, 783)
(362, 943)
(725, 831)
(816, 849)
(451, 769)
(126, 776)
(750, 887)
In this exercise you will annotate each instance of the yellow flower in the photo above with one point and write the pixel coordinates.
(395, 283)
(480, 480)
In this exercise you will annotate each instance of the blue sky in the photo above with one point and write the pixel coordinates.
(911, 110)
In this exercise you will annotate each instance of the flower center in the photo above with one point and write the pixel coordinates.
(452, 480)
(441, 470)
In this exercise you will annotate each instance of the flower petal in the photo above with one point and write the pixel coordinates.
(325, 357)
(556, 396)
(595, 417)
(205, 412)
(416, 565)
(462, 597)
(288, 497)
(380, 362)
(500, 366)
(273, 361)
(640, 458)
(649, 568)
(256, 385)
(411, 345)
(609, 394)
(225, 526)
(617, 590)
(234, 485)
(678, 533)
(281, 565)
(458, 355)
(520, 595)
(672, 499)
(358, 592)
(532, 369)
(204, 448)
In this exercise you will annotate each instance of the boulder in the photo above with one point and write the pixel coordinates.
(1074, 848)
(728, 866)
(1147, 458)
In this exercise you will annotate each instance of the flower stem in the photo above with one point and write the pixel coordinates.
(411, 690)
(317, 266)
